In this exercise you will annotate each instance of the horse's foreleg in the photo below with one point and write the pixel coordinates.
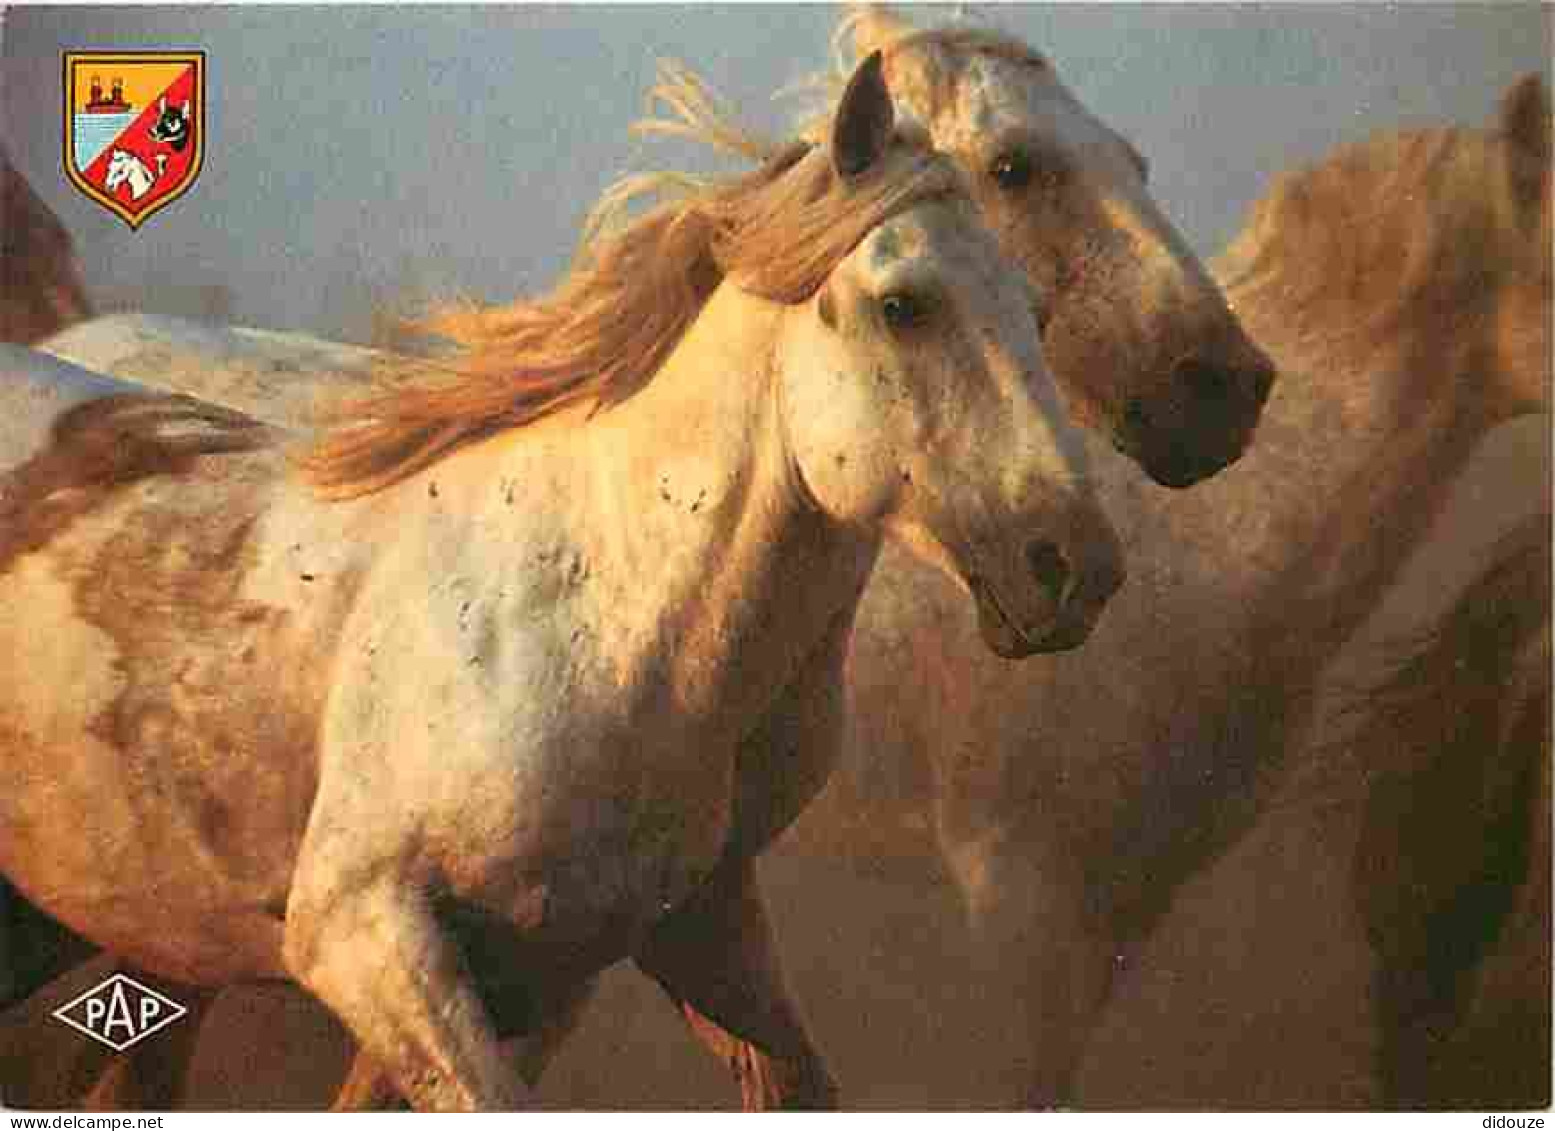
(376, 955)
(1044, 963)
(368, 1087)
(534, 1049)
(716, 959)
(715, 955)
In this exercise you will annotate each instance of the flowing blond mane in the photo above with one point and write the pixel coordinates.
(641, 277)
(1407, 226)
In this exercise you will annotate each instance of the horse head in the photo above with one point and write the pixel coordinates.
(1423, 253)
(915, 396)
(119, 168)
(1133, 325)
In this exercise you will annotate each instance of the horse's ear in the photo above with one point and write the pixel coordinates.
(862, 128)
(873, 27)
(1525, 116)
(1524, 121)
(919, 76)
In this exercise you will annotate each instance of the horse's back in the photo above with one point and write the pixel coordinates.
(35, 389)
(281, 378)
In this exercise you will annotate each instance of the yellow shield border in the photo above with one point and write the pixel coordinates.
(130, 58)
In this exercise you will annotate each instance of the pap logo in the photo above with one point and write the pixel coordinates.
(120, 1012)
(134, 127)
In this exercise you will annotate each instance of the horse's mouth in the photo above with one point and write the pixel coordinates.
(1003, 638)
(1179, 464)
(1006, 639)
(1182, 441)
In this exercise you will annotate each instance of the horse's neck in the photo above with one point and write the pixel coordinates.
(1294, 547)
(1358, 424)
(1415, 408)
(700, 498)
(1357, 461)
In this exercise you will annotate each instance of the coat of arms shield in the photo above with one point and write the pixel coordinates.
(134, 136)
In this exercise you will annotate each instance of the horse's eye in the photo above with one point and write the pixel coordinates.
(1011, 170)
(903, 311)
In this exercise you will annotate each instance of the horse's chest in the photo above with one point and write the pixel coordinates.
(593, 833)
(605, 765)
(641, 839)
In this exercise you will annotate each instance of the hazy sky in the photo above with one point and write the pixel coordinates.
(354, 151)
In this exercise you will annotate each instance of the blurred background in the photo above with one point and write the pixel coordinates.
(363, 155)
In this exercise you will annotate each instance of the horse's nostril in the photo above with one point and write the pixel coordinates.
(1263, 381)
(1207, 381)
(1049, 568)
(1044, 316)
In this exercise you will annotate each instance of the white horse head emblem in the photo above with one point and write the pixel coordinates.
(125, 167)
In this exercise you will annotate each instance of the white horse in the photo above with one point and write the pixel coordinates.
(504, 689)
(124, 166)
